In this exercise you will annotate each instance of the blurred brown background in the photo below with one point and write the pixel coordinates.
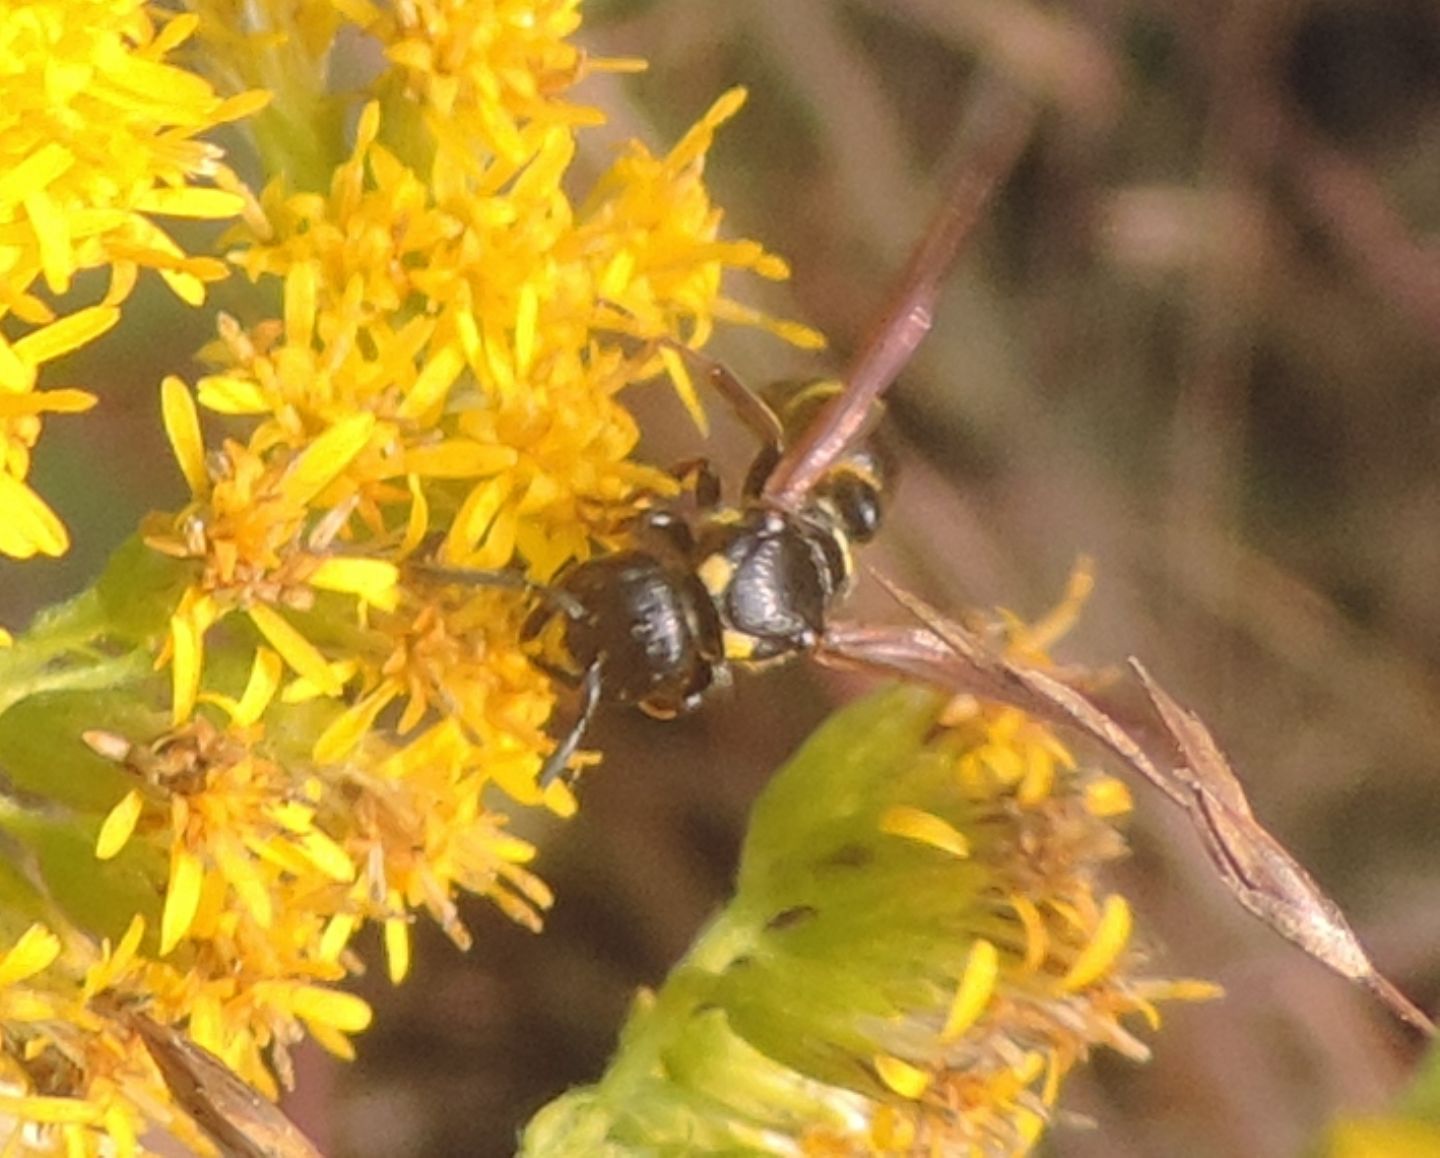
(1199, 340)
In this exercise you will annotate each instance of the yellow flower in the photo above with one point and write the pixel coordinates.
(99, 137)
(1377, 1137)
(74, 1077)
(442, 380)
(913, 961)
(489, 75)
(441, 386)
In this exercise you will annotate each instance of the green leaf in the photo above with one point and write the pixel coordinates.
(41, 750)
(139, 591)
(100, 897)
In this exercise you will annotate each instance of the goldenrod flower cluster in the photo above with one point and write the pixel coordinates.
(918, 952)
(283, 715)
(335, 730)
(101, 141)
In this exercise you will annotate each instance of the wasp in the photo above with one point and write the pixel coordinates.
(660, 622)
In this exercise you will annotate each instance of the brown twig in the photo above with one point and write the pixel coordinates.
(1257, 869)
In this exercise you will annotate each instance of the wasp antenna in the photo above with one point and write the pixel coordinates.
(752, 410)
(555, 766)
(1004, 119)
(554, 598)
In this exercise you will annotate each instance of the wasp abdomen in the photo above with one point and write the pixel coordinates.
(650, 624)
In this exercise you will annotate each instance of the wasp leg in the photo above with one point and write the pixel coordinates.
(761, 469)
(552, 598)
(555, 766)
(699, 477)
(757, 414)
(749, 407)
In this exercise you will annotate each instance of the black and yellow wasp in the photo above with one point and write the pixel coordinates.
(659, 622)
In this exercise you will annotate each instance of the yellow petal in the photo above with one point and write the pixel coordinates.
(373, 580)
(49, 1111)
(1037, 940)
(121, 1131)
(327, 856)
(684, 387)
(977, 986)
(187, 646)
(417, 525)
(617, 275)
(250, 886)
(906, 1080)
(119, 826)
(397, 950)
(338, 931)
(1106, 797)
(182, 898)
(187, 287)
(182, 427)
(459, 458)
(36, 949)
(1055, 625)
(51, 227)
(65, 401)
(332, 1007)
(351, 726)
(300, 289)
(297, 651)
(527, 310)
(27, 526)
(432, 384)
(265, 675)
(35, 172)
(476, 514)
(924, 827)
(1107, 942)
(67, 334)
(189, 201)
(226, 395)
(115, 963)
(325, 459)
(300, 690)
(1038, 778)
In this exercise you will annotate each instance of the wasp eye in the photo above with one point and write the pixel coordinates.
(855, 500)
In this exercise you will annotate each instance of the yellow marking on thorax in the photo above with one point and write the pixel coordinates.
(715, 573)
(738, 645)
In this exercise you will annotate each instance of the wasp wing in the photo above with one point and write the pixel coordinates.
(1004, 120)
